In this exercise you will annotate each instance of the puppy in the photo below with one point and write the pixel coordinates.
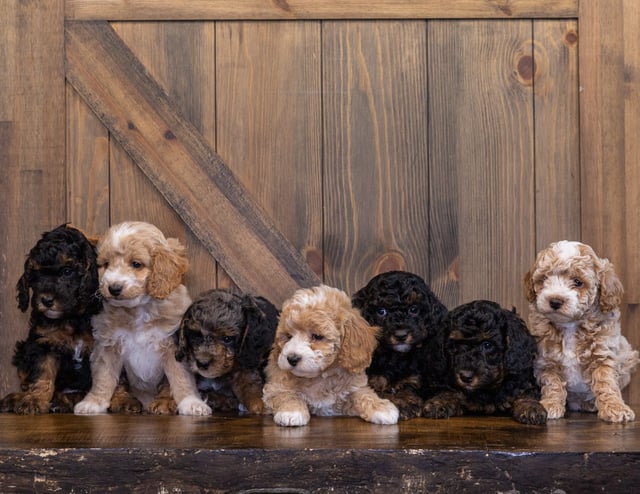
(409, 364)
(583, 359)
(140, 281)
(317, 365)
(60, 283)
(225, 339)
(491, 354)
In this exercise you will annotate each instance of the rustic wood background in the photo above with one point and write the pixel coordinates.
(450, 138)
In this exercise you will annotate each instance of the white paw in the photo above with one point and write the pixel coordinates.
(291, 418)
(554, 410)
(192, 405)
(386, 413)
(616, 413)
(90, 406)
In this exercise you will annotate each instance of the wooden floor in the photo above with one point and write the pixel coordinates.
(150, 454)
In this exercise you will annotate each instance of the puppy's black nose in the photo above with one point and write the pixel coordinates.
(293, 360)
(202, 365)
(115, 290)
(466, 376)
(401, 335)
(47, 301)
(555, 303)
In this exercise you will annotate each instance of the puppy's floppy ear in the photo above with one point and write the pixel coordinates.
(521, 347)
(359, 340)
(169, 265)
(529, 291)
(22, 287)
(259, 331)
(611, 289)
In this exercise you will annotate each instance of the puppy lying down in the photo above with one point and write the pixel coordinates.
(317, 365)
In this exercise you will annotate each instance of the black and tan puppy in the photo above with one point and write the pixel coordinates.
(409, 364)
(491, 355)
(225, 339)
(60, 284)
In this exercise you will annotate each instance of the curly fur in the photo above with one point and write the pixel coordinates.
(584, 361)
(491, 355)
(409, 364)
(60, 284)
(317, 365)
(225, 339)
(140, 281)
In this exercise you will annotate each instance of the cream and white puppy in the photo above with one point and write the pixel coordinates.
(140, 281)
(317, 365)
(574, 313)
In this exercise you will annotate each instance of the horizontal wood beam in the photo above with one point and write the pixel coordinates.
(178, 161)
(121, 10)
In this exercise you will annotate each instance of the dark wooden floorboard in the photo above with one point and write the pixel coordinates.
(149, 454)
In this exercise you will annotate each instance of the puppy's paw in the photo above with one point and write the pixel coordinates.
(163, 406)
(31, 405)
(530, 412)
(292, 418)
(192, 405)
(90, 406)
(554, 409)
(384, 412)
(437, 408)
(616, 412)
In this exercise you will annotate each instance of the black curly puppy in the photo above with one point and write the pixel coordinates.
(409, 364)
(226, 338)
(60, 283)
(491, 354)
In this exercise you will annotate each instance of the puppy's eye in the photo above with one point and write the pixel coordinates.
(577, 283)
(317, 337)
(413, 310)
(104, 265)
(136, 265)
(67, 271)
(488, 346)
(227, 339)
(382, 312)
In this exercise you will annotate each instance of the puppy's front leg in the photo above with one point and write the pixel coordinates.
(370, 407)
(183, 385)
(611, 406)
(287, 407)
(554, 393)
(247, 386)
(106, 365)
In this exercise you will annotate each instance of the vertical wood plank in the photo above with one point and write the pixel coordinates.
(32, 186)
(481, 159)
(557, 141)
(180, 56)
(610, 149)
(269, 123)
(375, 150)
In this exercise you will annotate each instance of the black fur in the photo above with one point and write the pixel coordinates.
(409, 364)
(60, 284)
(225, 338)
(491, 355)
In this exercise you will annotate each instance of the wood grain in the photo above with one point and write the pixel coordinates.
(269, 121)
(315, 9)
(177, 159)
(58, 453)
(557, 132)
(481, 159)
(180, 57)
(32, 130)
(376, 176)
(609, 146)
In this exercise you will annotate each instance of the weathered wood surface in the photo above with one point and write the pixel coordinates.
(179, 162)
(315, 9)
(65, 453)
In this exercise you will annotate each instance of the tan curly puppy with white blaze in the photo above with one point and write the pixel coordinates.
(583, 359)
(317, 365)
(140, 273)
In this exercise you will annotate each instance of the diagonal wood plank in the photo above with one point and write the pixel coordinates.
(179, 162)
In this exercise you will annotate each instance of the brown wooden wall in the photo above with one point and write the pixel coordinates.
(450, 138)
